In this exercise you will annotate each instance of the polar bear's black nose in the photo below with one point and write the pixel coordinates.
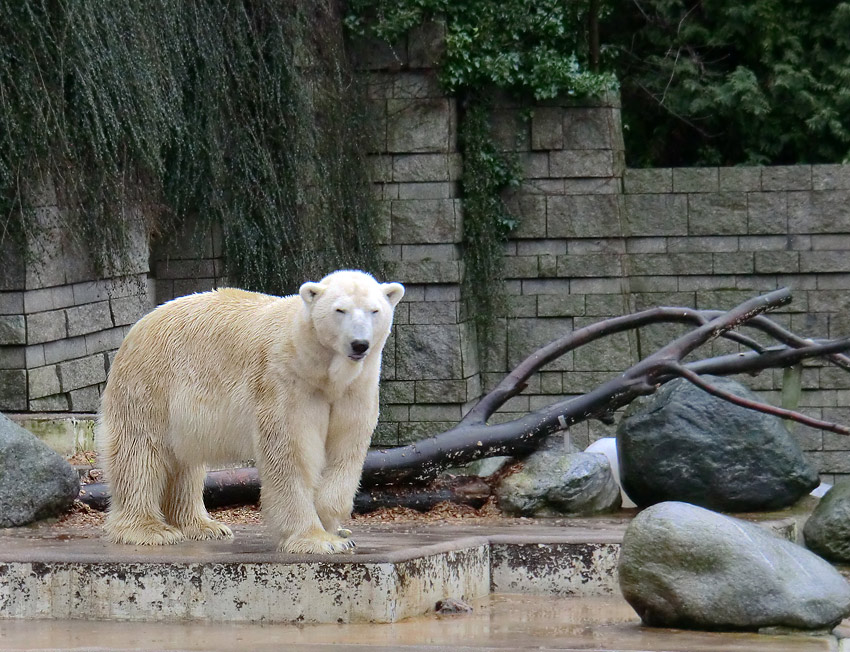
(359, 346)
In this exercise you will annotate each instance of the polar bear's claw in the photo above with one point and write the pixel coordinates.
(317, 542)
(207, 529)
(145, 534)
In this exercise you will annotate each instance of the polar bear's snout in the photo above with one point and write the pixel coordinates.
(358, 349)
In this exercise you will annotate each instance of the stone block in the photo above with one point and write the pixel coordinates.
(128, 310)
(653, 283)
(649, 245)
(48, 298)
(786, 177)
(739, 262)
(415, 85)
(722, 213)
(13, 389)
(527, 335)
(541, 247)
(588, 128)
(822, 211)
(425, 125)
(589, 265)
(740, 178)
(593, 186)
(395, 412)
(645, 300)
(524, 305)
(777, 262)
(824, 261)
(11, 302)
(648, 180)
(832, 242)
(521, 267)
(432, 312)
(598, 285)
(767, 212)
(398, 391)
(428, 271)
(416, 430)
(89, 318)
(534, 165)
(86, 399)
(831, 177)
(377, 54)
(606, 305)
(426, 44)
(583, 216)
(428, 352)
(656, 215)
(553, 305)
(581, 163)
(441, 293)
(546, 286)
(430, 252)
(12, 330)
(720, 244)
(43, 381)
(184, 269)
(695, 180)
(426, 221)
(511, 132)
(596, 246)
(426, 167)
(13, 357)
(429, 190)
(65, 349)
(439, 391)
(108, 340)
(54, 403)
(547, 129)
(670, 264)
(46, 326)
(83, 372)
(530, 211)
(386, 434)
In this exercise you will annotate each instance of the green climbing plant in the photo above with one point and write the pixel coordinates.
(243, 115)
(527, 49)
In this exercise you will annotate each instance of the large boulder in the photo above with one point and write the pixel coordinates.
(35, 482)
(685, 444)
(827, 531)
(556, 482)
(685, 566)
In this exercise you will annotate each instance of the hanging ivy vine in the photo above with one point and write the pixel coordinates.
(240, 114)
(530, 49)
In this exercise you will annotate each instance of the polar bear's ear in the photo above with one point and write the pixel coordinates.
(394, 292)
(310, 292)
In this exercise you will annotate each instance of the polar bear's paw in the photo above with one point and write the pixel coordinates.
(206, 529)
(317, 542)
(146, 533)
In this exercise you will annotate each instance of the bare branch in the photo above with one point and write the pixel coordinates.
(697, 380)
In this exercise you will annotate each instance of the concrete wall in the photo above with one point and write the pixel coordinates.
(595, 240)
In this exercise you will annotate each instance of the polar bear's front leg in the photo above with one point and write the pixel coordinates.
(291, 458)
(349, 433)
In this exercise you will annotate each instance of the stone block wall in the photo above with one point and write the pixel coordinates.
(59, 324)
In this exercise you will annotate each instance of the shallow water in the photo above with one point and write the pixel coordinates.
(498, 622)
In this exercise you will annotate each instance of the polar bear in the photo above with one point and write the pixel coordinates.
(228, 375)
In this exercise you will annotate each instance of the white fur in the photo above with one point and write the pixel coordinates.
(231, 375)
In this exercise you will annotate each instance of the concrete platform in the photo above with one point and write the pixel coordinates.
(397, 571)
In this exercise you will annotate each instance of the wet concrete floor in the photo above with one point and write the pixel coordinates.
(498, 622)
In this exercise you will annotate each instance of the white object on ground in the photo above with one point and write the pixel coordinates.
(608, 447)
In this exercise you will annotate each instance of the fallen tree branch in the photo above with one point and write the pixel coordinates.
(472, 438)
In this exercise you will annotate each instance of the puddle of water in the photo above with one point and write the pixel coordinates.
(515, 622)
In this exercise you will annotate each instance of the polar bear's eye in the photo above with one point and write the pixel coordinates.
(375, 312)
(340, 311)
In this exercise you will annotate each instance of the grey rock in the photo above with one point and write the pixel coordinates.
(684, 566)
(684, 444)
(482, 468)
(827, 531)
(35, 482)
(555, 482)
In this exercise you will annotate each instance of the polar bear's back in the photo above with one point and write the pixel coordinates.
(195, 360)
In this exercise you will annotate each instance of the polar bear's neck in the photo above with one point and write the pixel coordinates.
(325, 369)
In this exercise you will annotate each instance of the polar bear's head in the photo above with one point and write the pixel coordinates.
(351, 312)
